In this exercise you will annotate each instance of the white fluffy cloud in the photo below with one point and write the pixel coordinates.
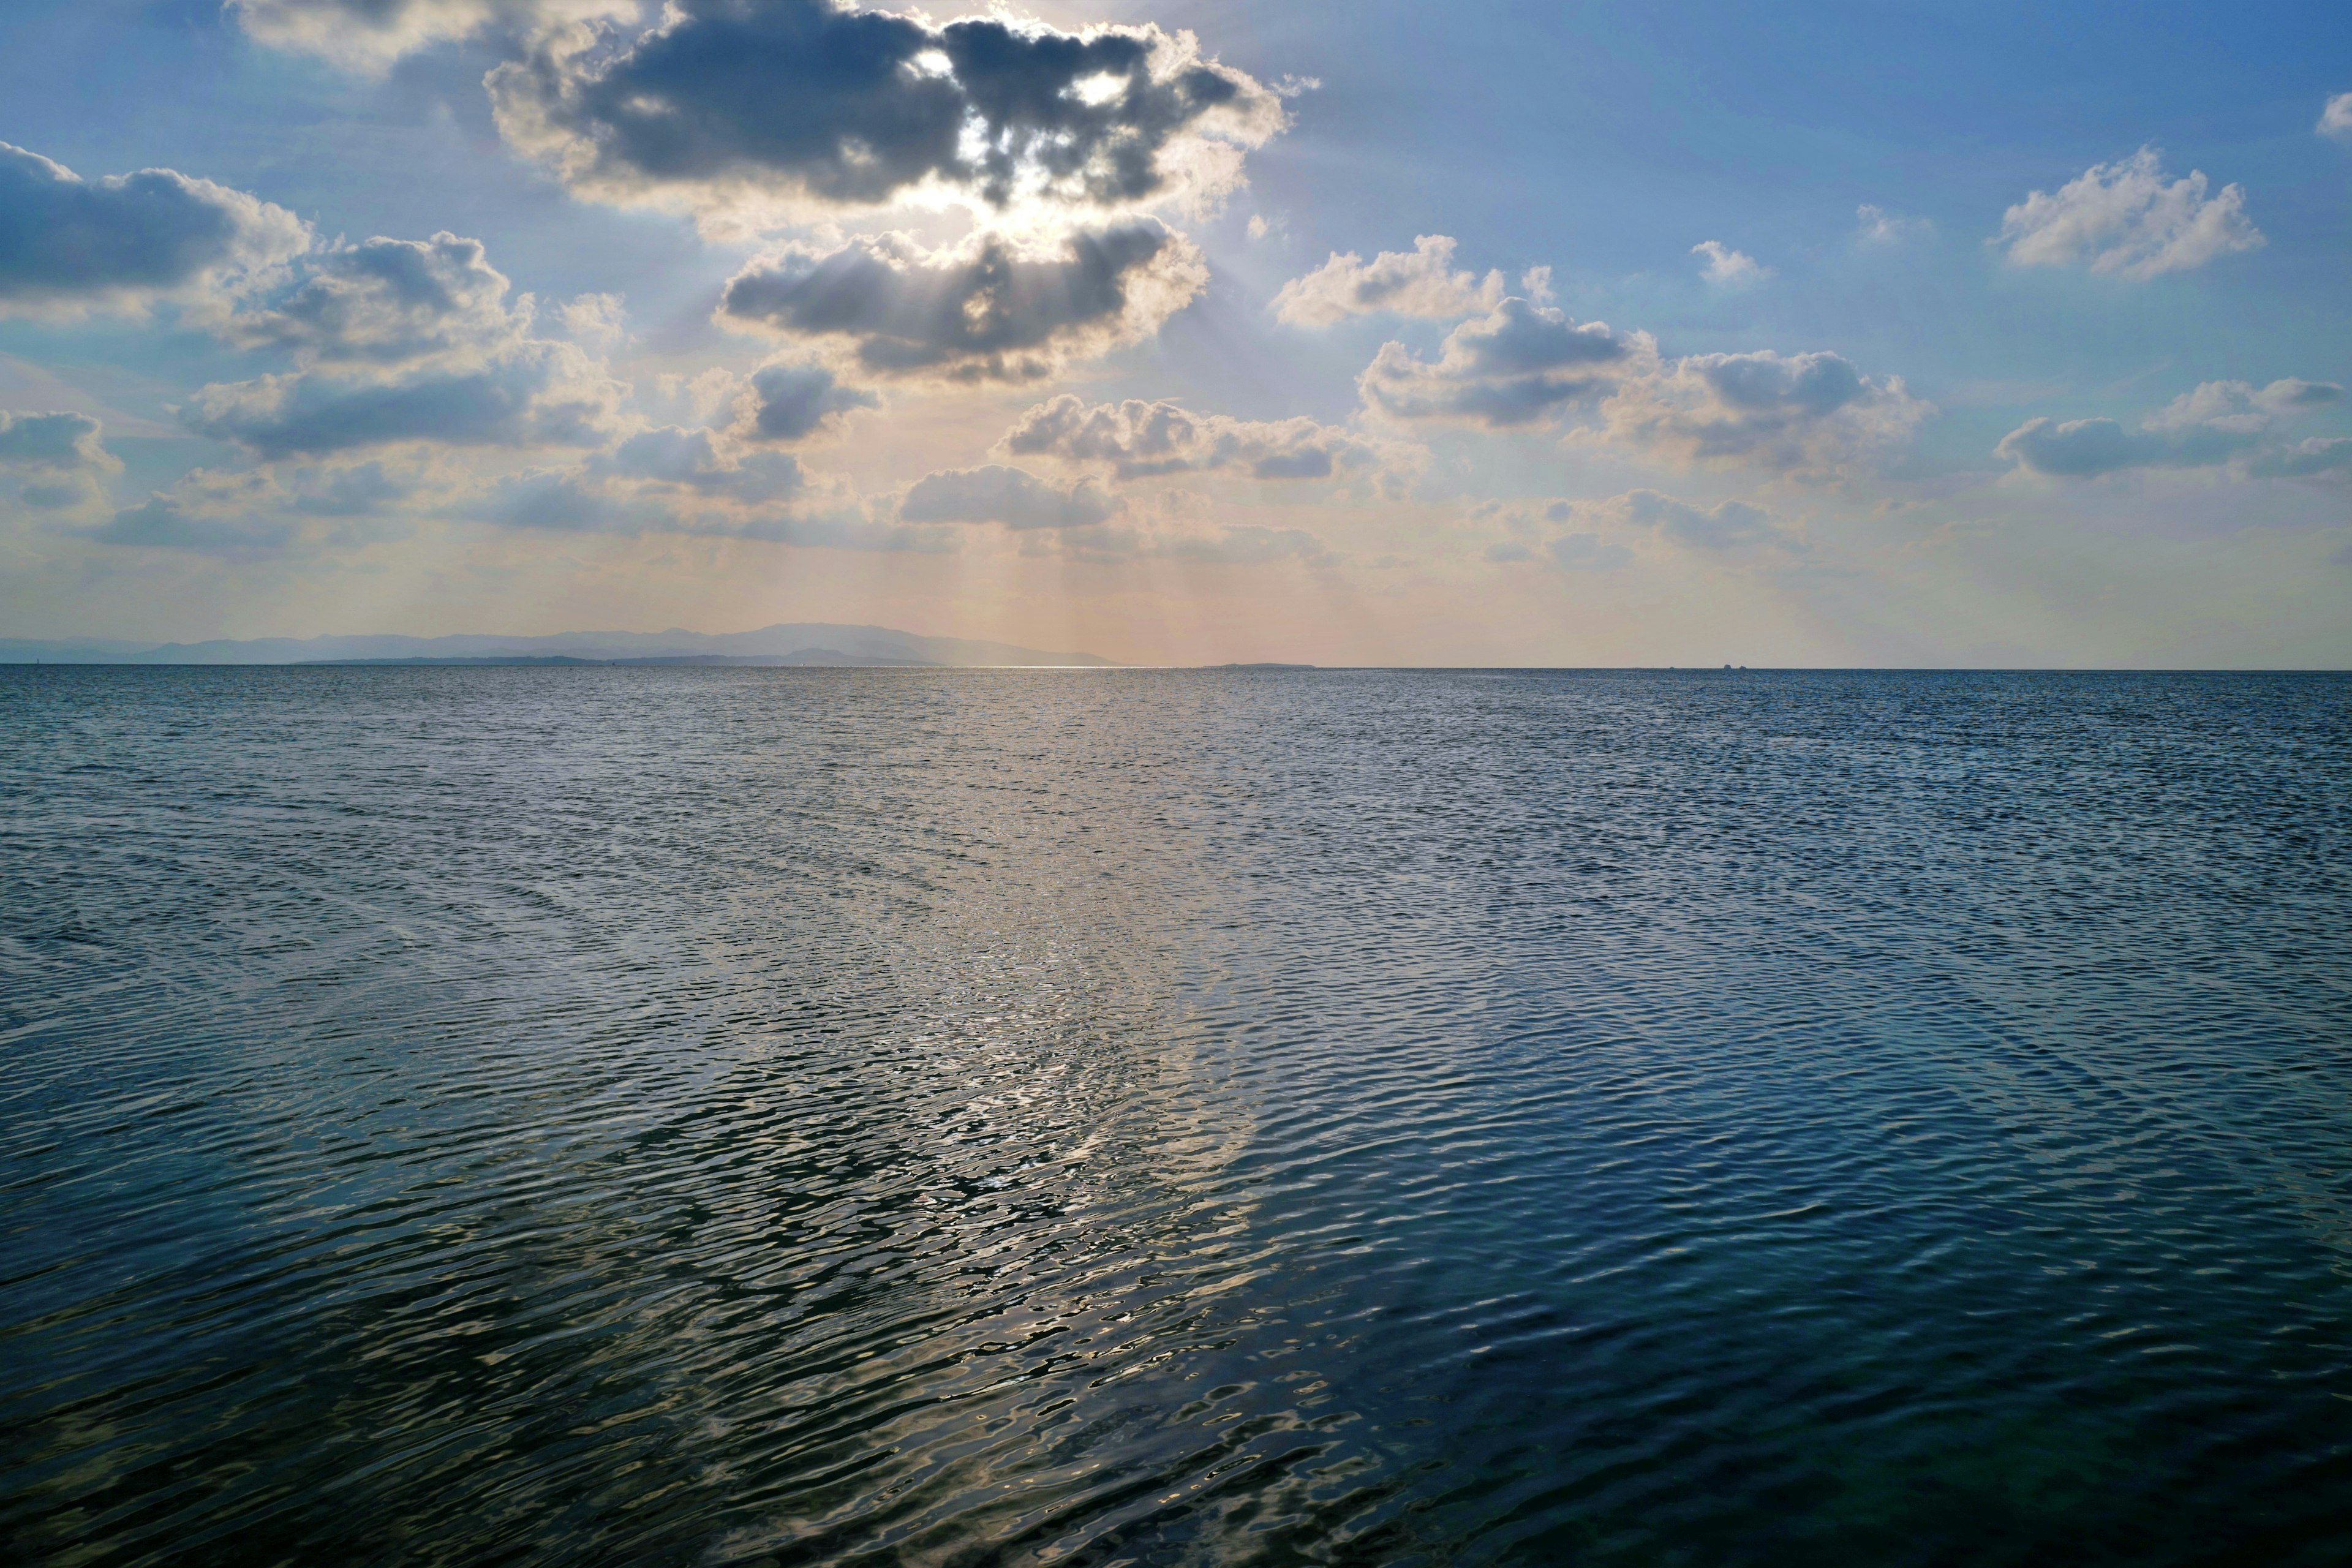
(1519, 363)
(386, 300)
(988, 309)
(1136, 439)
(1811, 415)
(1013, 496)
(1417, 282)
(1729, 267)
(127, 242)
(368, 35)
(2335, 120)
(2221, 422)
(749, 114)
(2125, 219)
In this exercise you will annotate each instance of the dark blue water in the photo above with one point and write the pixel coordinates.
(573, 1116)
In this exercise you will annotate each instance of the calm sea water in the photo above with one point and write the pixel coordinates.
(641, 1116)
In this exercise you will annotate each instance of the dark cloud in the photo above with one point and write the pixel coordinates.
(366, 489)
(807, 102)
(1135, 439)
(535, 393)
(792, 402)
(1009, 496)
(1809, 414)
(58, 442)
(2220, 422)
(2307, 459)
(1726, 525)
(674, 456)
(126, 241)
(1519, 363)
(986, 310)
(387, 300)
(191, 518)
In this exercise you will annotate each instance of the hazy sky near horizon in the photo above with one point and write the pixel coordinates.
(1597, 333)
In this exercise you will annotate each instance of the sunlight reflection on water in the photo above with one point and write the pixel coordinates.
(679, 1116)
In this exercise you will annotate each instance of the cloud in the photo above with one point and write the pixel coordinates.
(671, 479)
(744, 113)
(239, 516)
(1418, 282)
(2124, 219)
(368, 35)
(1592, 535)
(125, 243)
(1876, 226)
(1135, 439)
(55, 460)
(1810, 414)
(989, 309)
(386, 300)
(2220, 422)
(1519, 363)
(1728, 267)
(596, 321)
(792, 402)
(56, 443)
(2335, 120)
(531, 393)
(2314, 458)
(1013, 496)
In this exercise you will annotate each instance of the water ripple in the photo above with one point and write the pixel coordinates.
(552, 1116)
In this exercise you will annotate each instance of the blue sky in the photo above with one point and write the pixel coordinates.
(1991, 334)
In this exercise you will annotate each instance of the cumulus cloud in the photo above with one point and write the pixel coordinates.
(1517, 363)
(1013, 496)
(698, 482)
(368, 35)
(989, 309)
(386, 300)
(57, 443)
(125, 243)
(1728, 267)
(2125, 219)
(55, 460)
(240, 516)
(794, 401)
(1813, 414)
(531, 393)
(754, 112)
(2220, 422)
(1136, 439)
(2335, 120)
(1418, 282)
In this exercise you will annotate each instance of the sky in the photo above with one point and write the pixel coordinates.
(1574, 334)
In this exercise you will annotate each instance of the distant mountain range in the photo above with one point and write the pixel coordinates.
(795, 644)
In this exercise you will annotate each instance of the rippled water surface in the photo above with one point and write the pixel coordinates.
(644, 1116)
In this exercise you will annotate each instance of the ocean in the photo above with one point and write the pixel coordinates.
(641, 1116)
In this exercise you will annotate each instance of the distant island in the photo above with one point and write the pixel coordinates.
(793, 644)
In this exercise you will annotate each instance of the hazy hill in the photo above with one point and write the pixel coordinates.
(794, 644)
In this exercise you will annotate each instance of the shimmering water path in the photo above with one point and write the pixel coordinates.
(647, 1116)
